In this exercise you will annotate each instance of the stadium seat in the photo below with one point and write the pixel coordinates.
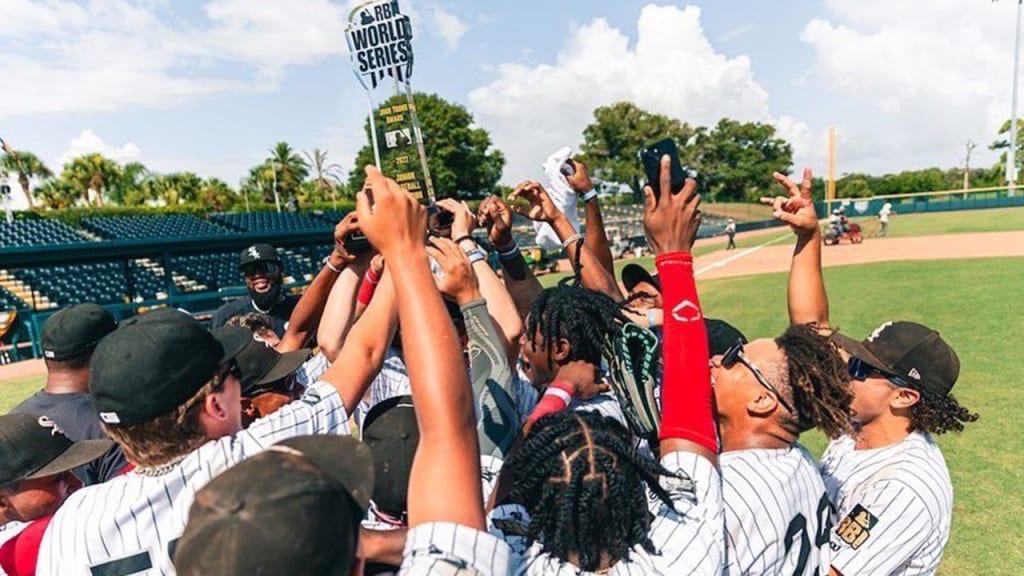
(37, 233)
(169, 226)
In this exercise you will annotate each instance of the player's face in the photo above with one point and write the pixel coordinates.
(536, 356)
(260, 277)
(871, 398)
(736, 387)
(33, 499)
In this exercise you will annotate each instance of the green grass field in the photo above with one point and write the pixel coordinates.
(978, 307)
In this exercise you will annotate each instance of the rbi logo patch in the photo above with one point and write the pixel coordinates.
(855, 529)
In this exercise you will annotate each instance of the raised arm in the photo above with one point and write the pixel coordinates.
(444, 484)
(595, 239)
(339, 312)
(522, 286)
(305, 318)
(687, 414)
(806, 297)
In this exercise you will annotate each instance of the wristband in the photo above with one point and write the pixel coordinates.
(371, 277)
(367, 289)
(327, 262)
(588, 196)
(476, 255)
(650, 319)
(465, 237)
(513, 245)
(562, 390)
(510, 252)
(571, 239)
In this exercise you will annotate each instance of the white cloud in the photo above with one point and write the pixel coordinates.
(88, 142)
(672, 69)
(913, 82)
(447, 27)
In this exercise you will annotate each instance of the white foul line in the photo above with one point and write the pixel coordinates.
(735, 257)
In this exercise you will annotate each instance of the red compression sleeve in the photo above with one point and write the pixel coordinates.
(555, 399)
(19, 555)
(367, 288)
(686, 403)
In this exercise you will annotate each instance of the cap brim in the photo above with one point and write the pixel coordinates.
(287, 364)
(857, 349)
(233, 341)
(633, 274)
(78, 454)
(343, 458)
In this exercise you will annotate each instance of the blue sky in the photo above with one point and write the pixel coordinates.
(209, 86)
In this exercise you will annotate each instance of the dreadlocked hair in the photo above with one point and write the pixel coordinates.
(818, 381)
(584, 485)
(582, 317)
(939, 414)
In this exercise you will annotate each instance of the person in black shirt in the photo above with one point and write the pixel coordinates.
(264, 278)
(69, 338)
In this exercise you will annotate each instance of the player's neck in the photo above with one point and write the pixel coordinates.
(67, 382)
(883, 431)
(745, 438)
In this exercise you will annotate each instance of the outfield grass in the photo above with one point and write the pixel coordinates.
(741, 211)
(978, 307)
(990, 220)
(13, 392)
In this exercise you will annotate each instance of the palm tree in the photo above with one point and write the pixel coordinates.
(28, 166)
(129, 189)
(91, 172)
(56, 194)
(326, 176)
(287, 167)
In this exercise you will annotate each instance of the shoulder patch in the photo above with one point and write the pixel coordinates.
(855, 529)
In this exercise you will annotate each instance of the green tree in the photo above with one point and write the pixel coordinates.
(611, 143)
(128, 190)
(285, 167)
(56, 194)
(1002, 142)
(216, 195)
(460, 156)
(326, 179)
(737, 160)
(27, 165)
(91, 172)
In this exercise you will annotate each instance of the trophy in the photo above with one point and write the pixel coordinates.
(380, 46)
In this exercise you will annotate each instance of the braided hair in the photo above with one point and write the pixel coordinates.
(818, 381)
(582, 317)
(585, 487)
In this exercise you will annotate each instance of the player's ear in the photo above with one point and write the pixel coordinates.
(561, 351)
(904, 398)
(763, 404)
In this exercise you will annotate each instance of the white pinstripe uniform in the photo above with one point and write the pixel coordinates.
(777, 514)
(131, 523)
(312, 369)
(689, 538)
(526, 398)
(391, 381)
(443, 548)
(894, 506)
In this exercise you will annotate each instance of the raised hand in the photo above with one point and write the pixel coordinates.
(347, 225)
(797, 208)
(671, 220)
(496, 216)
(580, 181)
(393, 221)
(457, 282)
(540, 208)
(464, 222)
(585, 380)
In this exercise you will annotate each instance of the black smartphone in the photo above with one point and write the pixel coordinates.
(357, 243)
(651, 159)
(439, 221)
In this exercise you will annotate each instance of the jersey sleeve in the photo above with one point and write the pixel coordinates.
(312, 369)
(690, 533)
(439, 548)
(882, 531)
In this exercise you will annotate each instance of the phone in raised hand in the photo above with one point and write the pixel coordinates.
(651, 159)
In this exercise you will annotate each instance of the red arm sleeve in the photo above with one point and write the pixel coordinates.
(686, 402)
(19, 555)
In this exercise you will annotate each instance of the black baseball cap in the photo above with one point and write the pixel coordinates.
(258, 253)
(34, 447)
(292, 509)
(913, 352)
(258, 363)
(633, 274)
(153, 363)
(391, 432)
(721, 336)
(75, 331)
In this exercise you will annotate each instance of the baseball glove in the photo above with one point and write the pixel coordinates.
(634, 370)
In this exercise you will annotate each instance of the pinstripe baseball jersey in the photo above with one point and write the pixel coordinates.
(391, 381)
(893, 506)
(526, 397)
(777, 514)
(444, 548)
(312, 369)
(131, 523)
(688, 536)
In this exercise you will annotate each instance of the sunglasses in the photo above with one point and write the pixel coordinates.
(735, 354)
(861, 370)
(261, 268)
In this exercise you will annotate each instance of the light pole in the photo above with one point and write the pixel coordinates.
(1011, 157)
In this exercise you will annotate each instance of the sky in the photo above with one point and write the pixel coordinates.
(210, 86)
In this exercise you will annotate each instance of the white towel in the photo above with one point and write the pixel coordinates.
(562, 195)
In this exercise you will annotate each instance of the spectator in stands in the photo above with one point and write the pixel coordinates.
(264, 278)
(68, 339)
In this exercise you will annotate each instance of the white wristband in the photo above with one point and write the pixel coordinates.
(588, 196)
(558, 393)
(327, 262)
(476, 255)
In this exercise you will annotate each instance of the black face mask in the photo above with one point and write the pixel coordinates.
(266, 300)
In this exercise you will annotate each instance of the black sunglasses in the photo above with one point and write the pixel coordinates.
(254, 268)
(861, 370)
(735, 354)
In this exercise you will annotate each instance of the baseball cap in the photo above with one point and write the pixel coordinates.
(258, 253)
(721, 336)
(259, 364)
(633, 274)
(75, 330)
(34, 447)
(911, 351)
(153, 363)
(391, 432)
(286, 510)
